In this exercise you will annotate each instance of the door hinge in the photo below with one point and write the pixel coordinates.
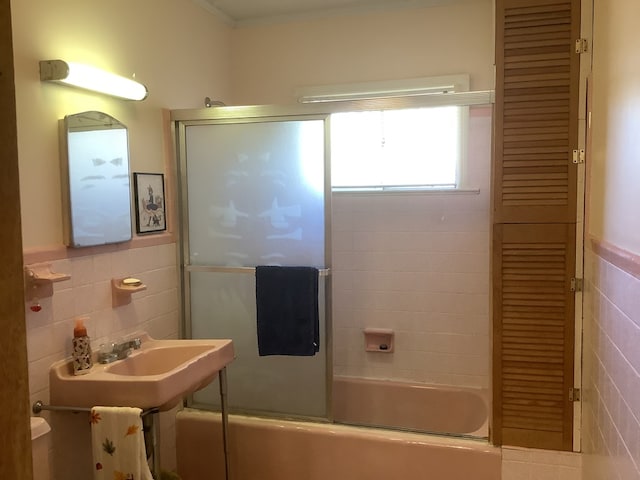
(579, 156)
(574, 394)
(576, 284)
(582, 45)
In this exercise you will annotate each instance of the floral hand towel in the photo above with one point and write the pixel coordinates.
(118, 444)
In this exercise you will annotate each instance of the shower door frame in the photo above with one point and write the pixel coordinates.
(180, 120)
(322, 110)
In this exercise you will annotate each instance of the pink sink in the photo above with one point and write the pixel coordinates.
(159, 374)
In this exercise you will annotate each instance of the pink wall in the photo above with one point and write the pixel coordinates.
(417, 264)
(611, 410)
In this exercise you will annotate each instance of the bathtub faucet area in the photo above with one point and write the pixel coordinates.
(117, 351)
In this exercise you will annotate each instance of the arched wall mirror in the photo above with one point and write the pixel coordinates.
(95, 180)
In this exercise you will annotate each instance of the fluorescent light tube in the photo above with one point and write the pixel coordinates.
(91, 78)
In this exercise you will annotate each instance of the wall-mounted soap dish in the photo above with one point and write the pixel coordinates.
(39, 280)
(123, 288)
(378, 340)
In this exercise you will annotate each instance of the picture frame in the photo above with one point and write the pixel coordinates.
(151, 212)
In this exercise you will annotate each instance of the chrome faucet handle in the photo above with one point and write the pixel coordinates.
(110, 352)
(124, 349)
(117, 351)
(107, 353)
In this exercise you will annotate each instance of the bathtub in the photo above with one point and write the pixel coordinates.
(269, 449)
(411, 406)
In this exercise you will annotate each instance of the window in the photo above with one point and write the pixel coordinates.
(413, 148)
(403, 135)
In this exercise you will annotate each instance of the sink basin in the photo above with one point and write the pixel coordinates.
(157, 361)
(158, 375)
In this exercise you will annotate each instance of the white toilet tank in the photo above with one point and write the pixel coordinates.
(40, 448)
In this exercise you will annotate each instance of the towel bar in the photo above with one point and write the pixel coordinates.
(38, 406)
(322, 272)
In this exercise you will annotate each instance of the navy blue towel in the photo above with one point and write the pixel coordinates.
(287, 310)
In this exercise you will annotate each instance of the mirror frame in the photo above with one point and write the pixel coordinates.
(93, 121)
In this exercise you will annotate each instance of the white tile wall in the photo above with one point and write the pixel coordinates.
(531, 464)
(418, 264)
(611, 404)
(88, 292)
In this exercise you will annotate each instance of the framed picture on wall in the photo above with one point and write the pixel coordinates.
(150, 203)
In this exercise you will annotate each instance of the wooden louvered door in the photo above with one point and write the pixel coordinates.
(534, 216)
(533, 341)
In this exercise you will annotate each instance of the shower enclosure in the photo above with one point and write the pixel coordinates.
(254, 193)
(255, 190)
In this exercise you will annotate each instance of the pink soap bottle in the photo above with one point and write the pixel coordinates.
(82, 361)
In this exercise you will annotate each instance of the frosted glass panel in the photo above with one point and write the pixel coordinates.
(255, 197)
(256, 193)
(224, 304)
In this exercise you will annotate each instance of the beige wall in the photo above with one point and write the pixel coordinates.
(269, 62)
(175, 47)
(611, 413)
(615, 167)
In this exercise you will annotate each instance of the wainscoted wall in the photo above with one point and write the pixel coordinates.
(418, 264)
(611, 410)
(88, 292)
(611, 400)
(125, 44)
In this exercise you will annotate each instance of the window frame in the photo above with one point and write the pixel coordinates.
(460, 163)
(449, 90)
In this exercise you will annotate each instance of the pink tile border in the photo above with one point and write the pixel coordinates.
(621, 258)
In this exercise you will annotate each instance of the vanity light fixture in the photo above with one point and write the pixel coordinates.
(91, 78)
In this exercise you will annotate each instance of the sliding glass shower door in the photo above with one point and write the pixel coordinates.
(253, 192)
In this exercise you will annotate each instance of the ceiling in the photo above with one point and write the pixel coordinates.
(244, 12)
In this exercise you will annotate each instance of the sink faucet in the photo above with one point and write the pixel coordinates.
(117, 351)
